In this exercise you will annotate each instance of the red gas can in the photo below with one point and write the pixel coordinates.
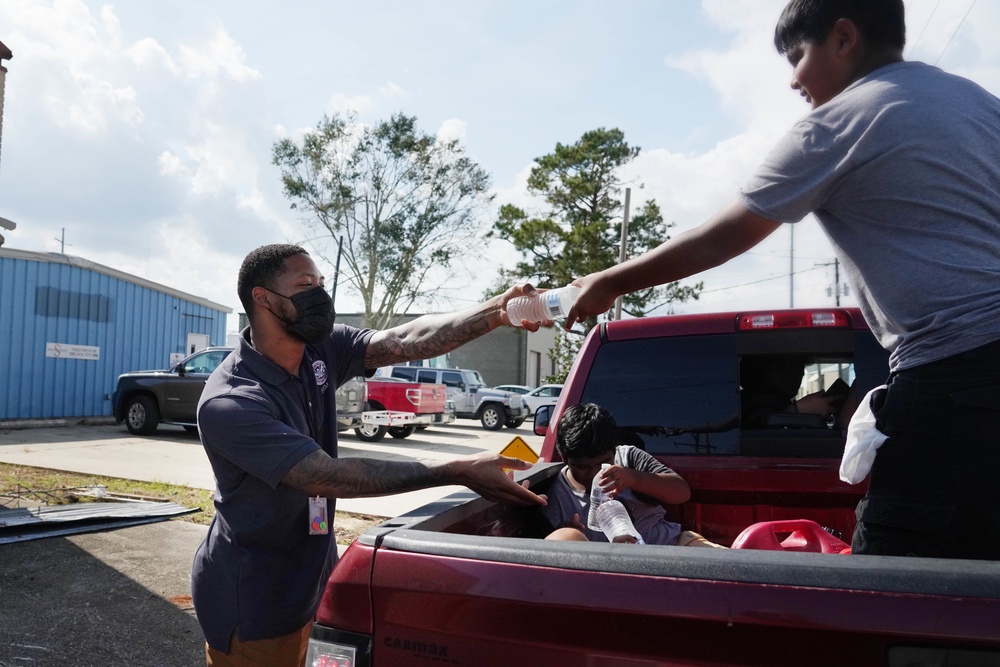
(790, 535)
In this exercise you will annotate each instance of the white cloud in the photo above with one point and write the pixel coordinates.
(112, 25)
(170, 164)
(365, 104)
(341, 103)
(147, 51)
(452, 129)
(74, 56)
(215, 161)
(391, 90)
(221, 55)
(96, 102)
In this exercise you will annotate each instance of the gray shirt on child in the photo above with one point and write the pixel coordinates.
(648, 516)
(902, 169)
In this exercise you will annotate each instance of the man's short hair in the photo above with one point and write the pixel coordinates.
(261, 268)
(585, 431)
(881, 22)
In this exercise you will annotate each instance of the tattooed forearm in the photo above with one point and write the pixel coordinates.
(430, 336)
(319, 474)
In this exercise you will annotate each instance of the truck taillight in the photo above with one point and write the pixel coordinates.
(793, 320)
(337, 648)
(413, 396)
(327, 654)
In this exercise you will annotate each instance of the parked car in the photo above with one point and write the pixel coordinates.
(352, 399)
(514, 388)
(472, 398)
(145, 399)
(421, 404)
(547, 394)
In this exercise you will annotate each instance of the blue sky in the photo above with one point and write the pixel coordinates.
(144, 129)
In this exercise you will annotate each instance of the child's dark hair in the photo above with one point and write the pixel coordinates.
(260, 268)
(585, 431)
(881, 22)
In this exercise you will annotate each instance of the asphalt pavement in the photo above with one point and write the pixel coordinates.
(122, 597)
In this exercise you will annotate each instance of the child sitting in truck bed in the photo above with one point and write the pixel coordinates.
(588, 437)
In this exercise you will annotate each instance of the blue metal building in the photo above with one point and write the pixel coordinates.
(69, 327)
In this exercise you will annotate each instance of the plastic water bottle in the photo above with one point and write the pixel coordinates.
(615, 521)
(598, 497)
(550, 305)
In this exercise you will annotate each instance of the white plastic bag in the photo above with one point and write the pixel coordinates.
(863, 438)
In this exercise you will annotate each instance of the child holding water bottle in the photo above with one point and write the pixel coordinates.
(586, 439)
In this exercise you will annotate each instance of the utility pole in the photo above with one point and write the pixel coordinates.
(623, 247)
(837, 288)
(62, 242)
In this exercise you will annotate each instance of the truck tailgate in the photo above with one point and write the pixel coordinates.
(468, 600)
(432, 398)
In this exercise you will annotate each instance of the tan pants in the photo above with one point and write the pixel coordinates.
(689, 538)
(285, 651)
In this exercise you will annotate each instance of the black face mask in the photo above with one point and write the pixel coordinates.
(315, 315)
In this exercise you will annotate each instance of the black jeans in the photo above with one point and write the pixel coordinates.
(934, 489)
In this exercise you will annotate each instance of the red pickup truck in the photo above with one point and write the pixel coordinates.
(399, 408)
(465, 581)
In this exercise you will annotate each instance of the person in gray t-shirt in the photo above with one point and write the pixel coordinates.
(900, 163)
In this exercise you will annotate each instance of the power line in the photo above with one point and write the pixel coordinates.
(752, 282)
(956, 31)
(762, 280)
(927, 23)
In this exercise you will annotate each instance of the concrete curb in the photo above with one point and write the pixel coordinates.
(17, 424)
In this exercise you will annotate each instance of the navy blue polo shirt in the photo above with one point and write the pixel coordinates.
(259, 570)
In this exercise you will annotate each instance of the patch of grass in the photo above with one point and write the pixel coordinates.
(55, 487)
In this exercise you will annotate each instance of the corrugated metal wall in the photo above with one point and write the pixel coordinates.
(133, 327)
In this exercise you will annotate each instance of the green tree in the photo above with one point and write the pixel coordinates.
(406, 204)
(581, 231)
(563, 353)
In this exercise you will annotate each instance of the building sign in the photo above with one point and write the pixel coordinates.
(64, 351)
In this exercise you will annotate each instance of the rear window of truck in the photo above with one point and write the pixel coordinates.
(685, 394)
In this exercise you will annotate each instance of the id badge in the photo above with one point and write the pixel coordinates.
(318, 524)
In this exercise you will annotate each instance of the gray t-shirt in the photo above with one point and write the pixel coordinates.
(902, 169)
(648, 516)
(259, 569)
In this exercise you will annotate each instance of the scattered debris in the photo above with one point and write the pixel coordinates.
(39, 517)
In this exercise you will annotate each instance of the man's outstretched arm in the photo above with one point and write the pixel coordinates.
(320, 475)
(731, 232)
(433, 335)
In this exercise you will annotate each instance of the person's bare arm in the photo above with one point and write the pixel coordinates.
(731, 232)
(667, 487)
(433, 335)
(320, 475)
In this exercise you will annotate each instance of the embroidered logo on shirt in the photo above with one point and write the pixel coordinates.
(319, 370)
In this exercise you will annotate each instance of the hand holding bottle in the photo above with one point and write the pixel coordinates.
(615, 479)
(544, 307)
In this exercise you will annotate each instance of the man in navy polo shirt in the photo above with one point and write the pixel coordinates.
(267, 419)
